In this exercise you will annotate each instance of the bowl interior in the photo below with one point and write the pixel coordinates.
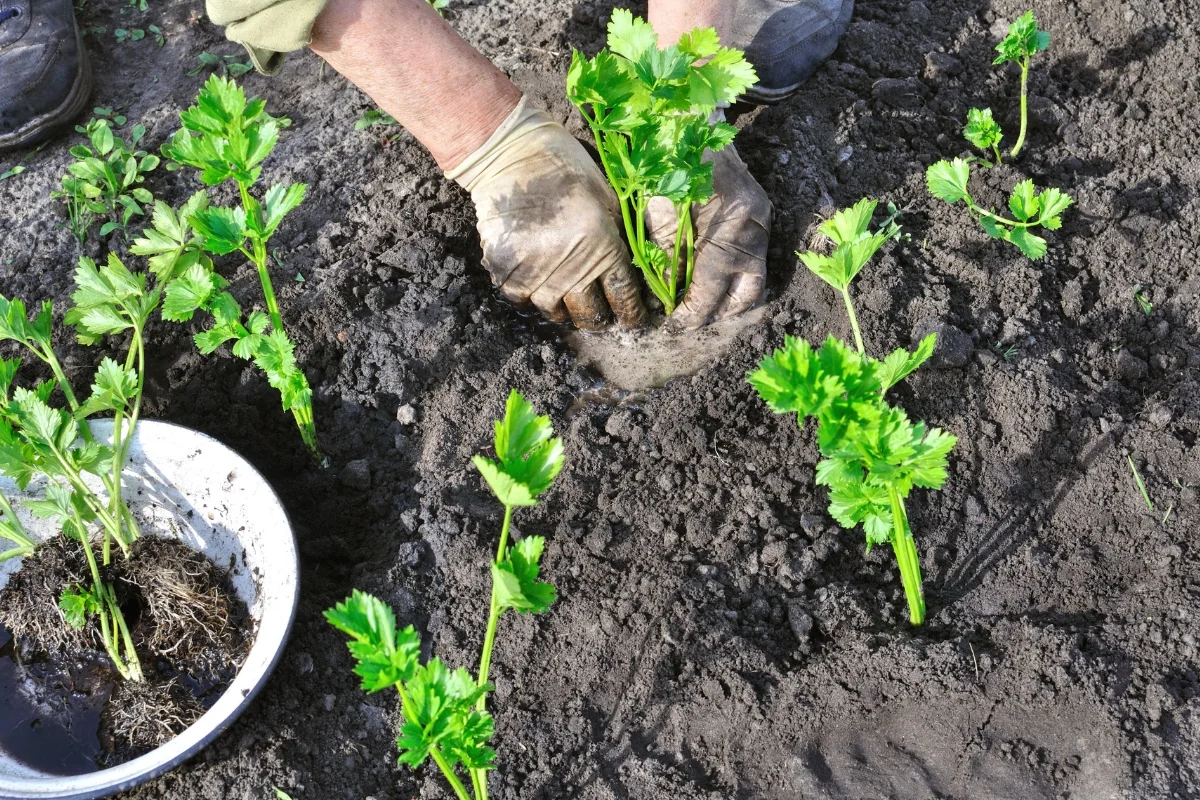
(183, 484)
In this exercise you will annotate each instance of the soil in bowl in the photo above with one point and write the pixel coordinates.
(63, 709)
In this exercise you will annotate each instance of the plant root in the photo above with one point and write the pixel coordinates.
(186, 610)
(142, 715)
(29, 602)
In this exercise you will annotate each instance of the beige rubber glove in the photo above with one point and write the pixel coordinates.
(732, 230)
(548, 223)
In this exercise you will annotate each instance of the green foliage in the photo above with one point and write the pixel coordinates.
(869, 446)
(983, 131)
(529, 458)
(439, 5)
(105, 180)
(53, 444)
(445, 711)
(650, 110)
(1143, 300)
(440, 718)
(515, 579)
(873, 455)
(855, 244)
(78, 604)
(123, 35)
(1024, 40)
(948, 181)
(1141, 485)
(226, 137)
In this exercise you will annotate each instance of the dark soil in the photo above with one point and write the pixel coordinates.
(190, 631)
(717, 637)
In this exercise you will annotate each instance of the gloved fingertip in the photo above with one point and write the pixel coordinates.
(624, 297)
(556, 313)
(587, 307)
(688, 319)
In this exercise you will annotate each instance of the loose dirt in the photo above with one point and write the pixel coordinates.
(717, 636)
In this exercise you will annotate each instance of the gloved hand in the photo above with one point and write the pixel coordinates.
(548, 223)
(732, 230)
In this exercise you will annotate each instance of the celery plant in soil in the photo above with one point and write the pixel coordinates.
(104, 181)
(1023, 42)
(39, 440)
(445, 711)
(226, 137)
(948, 180)
(652, 114)
(873, 455)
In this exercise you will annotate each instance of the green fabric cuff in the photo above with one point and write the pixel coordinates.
(267, 28)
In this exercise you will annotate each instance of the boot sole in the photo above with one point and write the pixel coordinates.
(44, 126)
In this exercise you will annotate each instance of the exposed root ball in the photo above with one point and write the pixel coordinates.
(186, 611)
(29, 602)
(149, 713)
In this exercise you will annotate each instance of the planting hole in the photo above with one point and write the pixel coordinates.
(633, 361)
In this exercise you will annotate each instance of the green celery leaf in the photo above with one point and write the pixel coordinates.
(901, 363)
(385, 657)
(947, 180)
(223, 229)
(77, 605)
(114, 389)
(792, 380)
(187, 294)
(1052, 203)
(850, 224)
(279, 201)
(529, 457)
(1032, 246)
(629, 36)
(516, 582)
(1024, 201)
(1024, 39)
(929, 462)
(982, 130)
(441, 703)
(700, 43)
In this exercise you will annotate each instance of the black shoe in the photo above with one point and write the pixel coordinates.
(786, 40)
(45, 78)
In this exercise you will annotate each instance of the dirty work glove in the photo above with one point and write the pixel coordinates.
(267, 28)
(732, 230)
(547, 222)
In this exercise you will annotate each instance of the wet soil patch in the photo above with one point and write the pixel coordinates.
(63, 709)
(716, 636)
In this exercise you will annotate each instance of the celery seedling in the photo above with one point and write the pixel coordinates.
(39, 440)
(1024, 41)
(104, 180)
(226, 137)
(947, 180)
(651, 113)
(445, 713)
(983, 131)
(873, 454)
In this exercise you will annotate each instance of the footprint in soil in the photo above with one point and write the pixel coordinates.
(964, 747)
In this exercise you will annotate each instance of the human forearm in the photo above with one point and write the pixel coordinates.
(419, 70)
